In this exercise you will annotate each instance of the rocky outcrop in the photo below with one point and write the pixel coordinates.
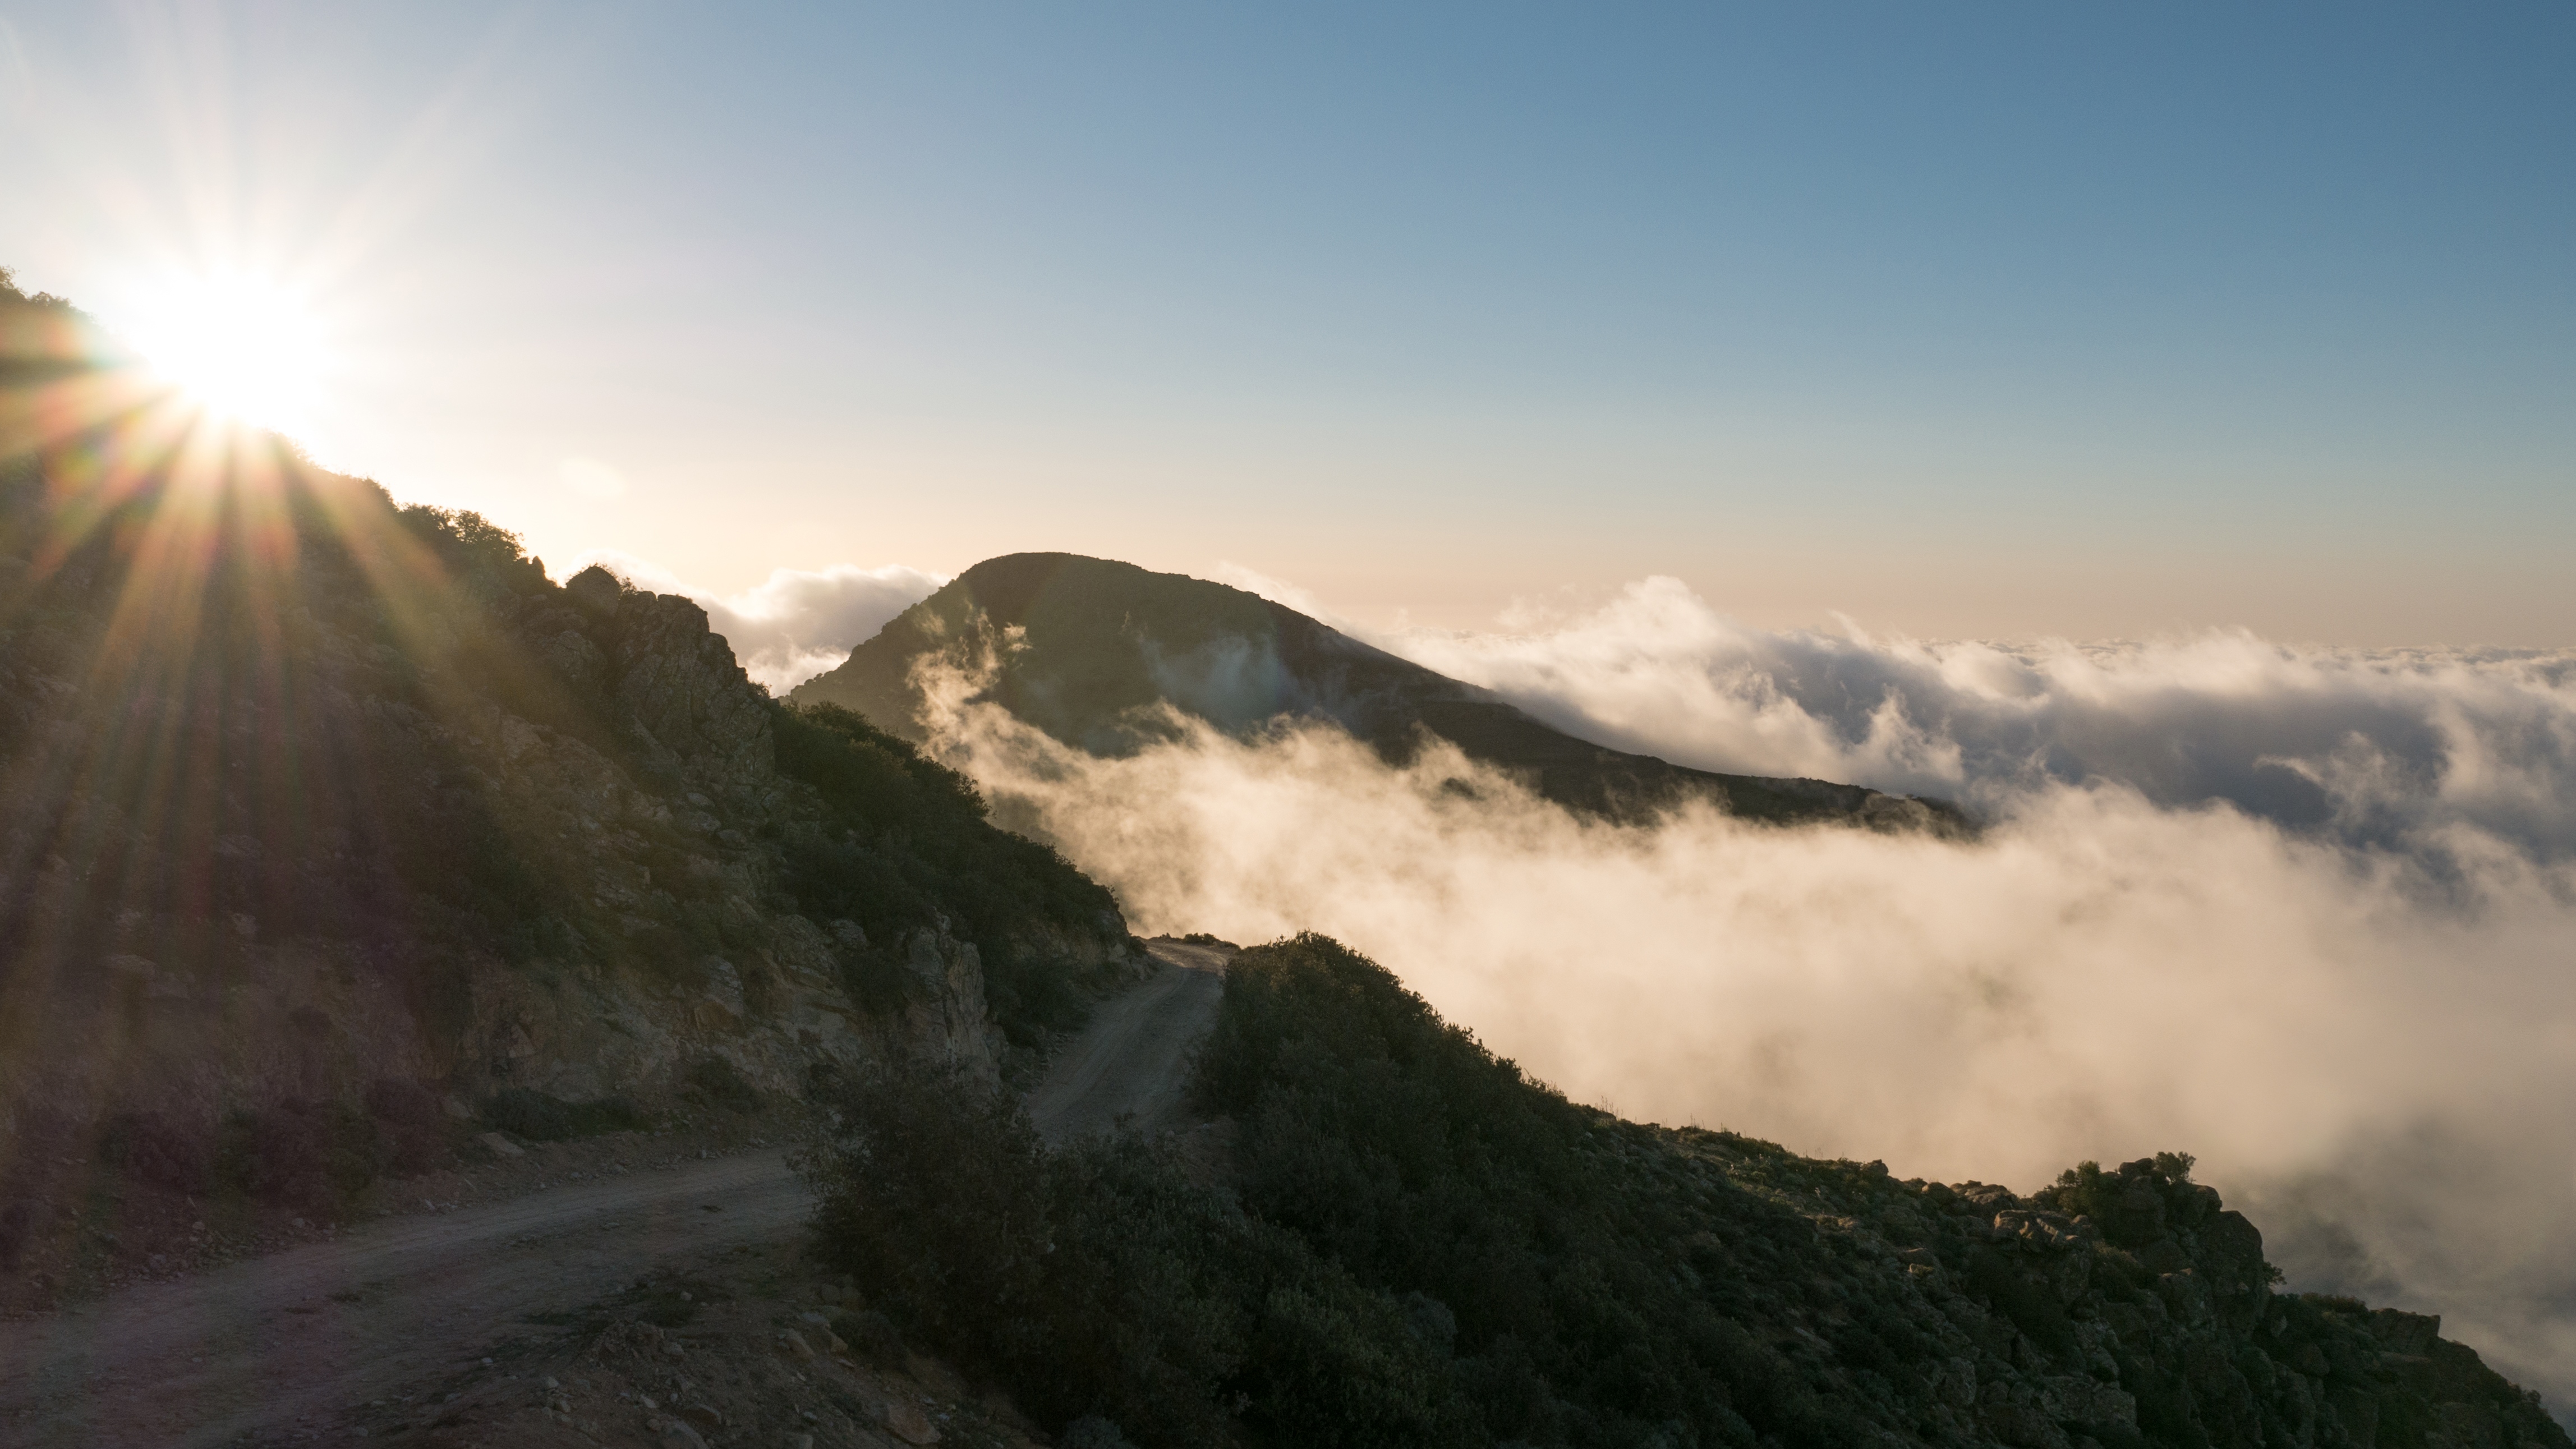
(682, 687)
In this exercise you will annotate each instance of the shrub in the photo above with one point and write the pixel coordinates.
(148, 1148)
(1101, 1282)
(414, 1124)
(308, 1155)
(1395, 1146)
(714, 1080)
(936, 1204)
(1427, 1248)
(540, 1117)
(872, 1335)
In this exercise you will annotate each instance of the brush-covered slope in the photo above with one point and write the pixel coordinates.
(1411, 1243)
(1085, 648)
(314, 808)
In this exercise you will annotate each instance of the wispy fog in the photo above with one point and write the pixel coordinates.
(796, 624)
(2310, 915)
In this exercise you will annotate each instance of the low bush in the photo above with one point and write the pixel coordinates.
(543, 1118)
(418, 1134)
(1427, 1248)
(1101, 1282)
(715, 1081)
(149, 1148)
(1422, 1247)
(310, 1155)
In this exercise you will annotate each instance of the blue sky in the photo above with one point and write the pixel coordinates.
(1991, 320)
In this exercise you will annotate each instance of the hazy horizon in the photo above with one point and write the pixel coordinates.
(2006, 324)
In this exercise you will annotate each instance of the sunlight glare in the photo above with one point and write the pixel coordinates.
(243, 347)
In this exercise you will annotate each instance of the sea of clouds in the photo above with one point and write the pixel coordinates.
(2307, 913)
(2377, 749)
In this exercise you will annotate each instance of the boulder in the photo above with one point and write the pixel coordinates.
(905, 1420)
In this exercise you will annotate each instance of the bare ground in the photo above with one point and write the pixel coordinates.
(1133, 1059)
(516, 1322)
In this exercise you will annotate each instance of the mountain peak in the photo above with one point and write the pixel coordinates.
(1094, 645)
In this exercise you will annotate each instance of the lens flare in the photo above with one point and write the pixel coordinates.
(246, 348)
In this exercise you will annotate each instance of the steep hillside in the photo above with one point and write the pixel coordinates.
(1083, 648)
(1410, 1243)
(326, 817)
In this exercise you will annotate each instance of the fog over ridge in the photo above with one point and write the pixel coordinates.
(796, 623)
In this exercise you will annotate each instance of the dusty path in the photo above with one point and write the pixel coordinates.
(306, 1333)
(1133, 1057)
(316, 1328)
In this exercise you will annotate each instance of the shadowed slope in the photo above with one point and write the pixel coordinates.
(326, 823)
(1094, 645)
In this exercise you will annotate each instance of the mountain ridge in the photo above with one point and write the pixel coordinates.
(1084, 649)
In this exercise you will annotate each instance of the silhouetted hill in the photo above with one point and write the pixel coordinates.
(1095, 644)
(315, 809)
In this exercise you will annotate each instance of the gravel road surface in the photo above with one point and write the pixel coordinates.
(1132, 1060)
(310, 1330)
(304, 1333)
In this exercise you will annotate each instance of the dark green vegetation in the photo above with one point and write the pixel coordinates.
(1102, 644)
(1417, 1245)
(1104, 1281)
(396, 831)
(542, 1117)
(311, 797)
(902, 844)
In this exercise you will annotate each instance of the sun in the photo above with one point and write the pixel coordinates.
(245, 348)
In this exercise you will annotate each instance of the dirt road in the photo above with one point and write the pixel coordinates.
(308, 1331)
(1133, 1058)
(301, 1335)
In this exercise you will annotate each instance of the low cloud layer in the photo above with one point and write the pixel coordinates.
(798, 623)
(2310, 914)
(2423, 751)
(2362, 1019)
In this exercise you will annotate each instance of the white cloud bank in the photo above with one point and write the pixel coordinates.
(2396, 749)
(2310, 914)
(796, 624)
(2350, 991)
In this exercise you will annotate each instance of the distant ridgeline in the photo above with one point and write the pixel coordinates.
(1410, 1243)
(1101, 643)
(315, 809)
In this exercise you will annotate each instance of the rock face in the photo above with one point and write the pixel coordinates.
(1087, 649)
(302, 793)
